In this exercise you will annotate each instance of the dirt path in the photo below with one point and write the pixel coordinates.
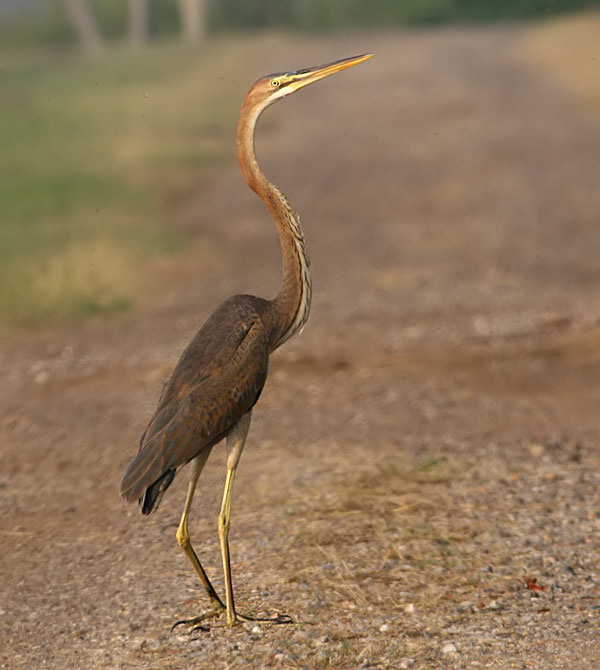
(419, 489)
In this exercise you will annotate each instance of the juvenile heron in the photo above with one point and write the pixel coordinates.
(221, 373)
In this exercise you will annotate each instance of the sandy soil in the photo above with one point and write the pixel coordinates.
(420, 485)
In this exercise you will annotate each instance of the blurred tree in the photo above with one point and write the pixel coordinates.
(193, 20)
(138, 22)
(83, 22)
(95, 23)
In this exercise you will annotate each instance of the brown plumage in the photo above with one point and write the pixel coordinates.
(218, 379)
(221, 374)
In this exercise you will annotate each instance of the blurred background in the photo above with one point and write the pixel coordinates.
(434, 433)
(113, 112)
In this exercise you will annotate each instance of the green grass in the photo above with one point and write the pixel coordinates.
(90, 152)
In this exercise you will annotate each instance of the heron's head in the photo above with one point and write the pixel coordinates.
(275, 86)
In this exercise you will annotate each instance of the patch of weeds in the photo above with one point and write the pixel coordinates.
(428, 465)
(445, 549)
(382, 471)
(317, 537)
(96, 305)
(420, 531)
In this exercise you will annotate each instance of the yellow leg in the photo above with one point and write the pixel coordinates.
(235, 444)
(224, 523)
(183, 535)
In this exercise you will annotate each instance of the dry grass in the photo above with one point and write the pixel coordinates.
(569, 49)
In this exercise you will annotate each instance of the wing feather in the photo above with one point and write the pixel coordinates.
(217, 380)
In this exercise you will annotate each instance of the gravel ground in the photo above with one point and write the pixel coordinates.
(419, 488)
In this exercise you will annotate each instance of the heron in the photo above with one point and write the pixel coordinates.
(220, 375)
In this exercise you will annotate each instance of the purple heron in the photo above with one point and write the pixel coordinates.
(221, 373)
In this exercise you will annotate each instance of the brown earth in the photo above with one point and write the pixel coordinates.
(420, 484)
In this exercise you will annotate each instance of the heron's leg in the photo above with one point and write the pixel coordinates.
(183, 535)
(235, 445)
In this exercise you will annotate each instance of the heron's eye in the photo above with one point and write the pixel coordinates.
(275, 83)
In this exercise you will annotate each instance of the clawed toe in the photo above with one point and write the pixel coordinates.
(283, 619)
(275, 618)
(198, 623)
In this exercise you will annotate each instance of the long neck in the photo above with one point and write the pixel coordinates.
(289, 309)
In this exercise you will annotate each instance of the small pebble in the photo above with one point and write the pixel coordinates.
(256, 630)
(410, 608)
(465, 606)
(449, 649)
(384, 628)
(536, 449)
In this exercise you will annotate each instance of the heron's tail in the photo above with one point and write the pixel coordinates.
(146, 480)
(155, 492)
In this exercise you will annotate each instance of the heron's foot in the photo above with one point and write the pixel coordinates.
(199, 622)
(275, 618)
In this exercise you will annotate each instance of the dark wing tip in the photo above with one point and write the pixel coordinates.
(155, 492)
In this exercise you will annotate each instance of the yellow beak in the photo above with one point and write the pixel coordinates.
(301, 78)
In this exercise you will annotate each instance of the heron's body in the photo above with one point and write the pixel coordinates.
(217, 380)
(221, 374)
